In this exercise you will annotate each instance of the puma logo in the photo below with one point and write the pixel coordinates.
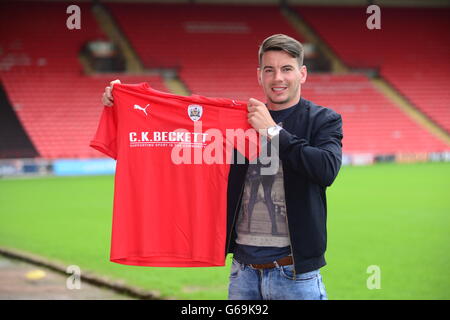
(138, 107)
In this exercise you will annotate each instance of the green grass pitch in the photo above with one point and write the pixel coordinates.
(394, 217)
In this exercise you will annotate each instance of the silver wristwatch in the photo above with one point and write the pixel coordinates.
(273, 131)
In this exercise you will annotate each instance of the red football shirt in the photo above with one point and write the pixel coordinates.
(173, 154)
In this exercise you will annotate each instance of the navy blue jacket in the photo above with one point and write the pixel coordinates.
(310, 148)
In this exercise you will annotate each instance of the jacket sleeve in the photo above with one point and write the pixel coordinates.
(320, 162)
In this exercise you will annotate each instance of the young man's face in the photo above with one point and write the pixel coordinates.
(281, 77)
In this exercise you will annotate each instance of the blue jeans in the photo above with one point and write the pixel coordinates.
(247, 283)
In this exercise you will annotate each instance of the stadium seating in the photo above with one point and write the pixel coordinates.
(371, 123)
(411, 50)
(58, 106)
(214, 48)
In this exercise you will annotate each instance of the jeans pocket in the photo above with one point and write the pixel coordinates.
(235, 268)
(288, 272)
(323, 292)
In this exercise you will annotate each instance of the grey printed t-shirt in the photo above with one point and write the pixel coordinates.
(262, 231)
(262, 219)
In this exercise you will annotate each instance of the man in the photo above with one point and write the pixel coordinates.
(278, 256)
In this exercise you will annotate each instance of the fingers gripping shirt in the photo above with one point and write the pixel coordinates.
(173, 158)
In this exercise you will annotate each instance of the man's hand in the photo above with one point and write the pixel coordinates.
(259, 116)
(107, 98)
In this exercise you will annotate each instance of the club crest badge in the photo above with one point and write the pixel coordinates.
(195, 112)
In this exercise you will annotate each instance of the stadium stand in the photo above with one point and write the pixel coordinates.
(411, 50)
(56, 103)
(214, 49)
(372, 124)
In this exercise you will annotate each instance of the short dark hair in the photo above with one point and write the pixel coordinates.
(282, 42)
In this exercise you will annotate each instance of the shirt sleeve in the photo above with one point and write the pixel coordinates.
(105, 139)
(321, 160)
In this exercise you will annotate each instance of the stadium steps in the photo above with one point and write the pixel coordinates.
(338, 66)
(133, 62)
(415, 63)
(112, 30)
(176, 86)
(87, 68)
(303, 28)
(212, 47)
(415, 114)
